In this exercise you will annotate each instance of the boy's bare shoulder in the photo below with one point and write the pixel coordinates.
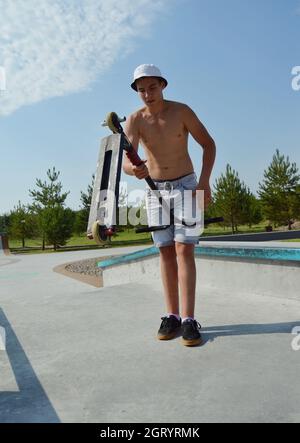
(136, 117)
(177, 106)
(132, 122)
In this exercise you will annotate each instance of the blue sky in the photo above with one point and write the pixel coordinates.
(69, 63)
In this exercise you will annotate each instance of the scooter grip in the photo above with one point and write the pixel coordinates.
(134, 158)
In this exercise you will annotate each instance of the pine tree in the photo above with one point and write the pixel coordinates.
(279, 191)
(231, 198)
(49, 202)
(4, 222)
(22, 223)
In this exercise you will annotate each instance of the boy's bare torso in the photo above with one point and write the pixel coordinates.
(165, 141)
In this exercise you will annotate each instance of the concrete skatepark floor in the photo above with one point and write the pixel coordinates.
(78, 353)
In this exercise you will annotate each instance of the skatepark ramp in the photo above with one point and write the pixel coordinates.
(263, 268)
(4, 249)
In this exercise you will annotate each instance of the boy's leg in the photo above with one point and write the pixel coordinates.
(168, 268)
(186, 277)
(187, 281)
(164, 240)
(168, 265)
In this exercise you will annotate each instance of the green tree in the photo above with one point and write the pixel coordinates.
(48, 205)
(279, 191)
(4, 222)
(251, 213)
(58, 222)
(294, 201)
(22, 224)
(231, 198)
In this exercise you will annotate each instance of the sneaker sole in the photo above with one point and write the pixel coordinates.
(195, 342)
(169, 336)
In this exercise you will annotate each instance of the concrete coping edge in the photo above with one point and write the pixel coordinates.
(262, 252)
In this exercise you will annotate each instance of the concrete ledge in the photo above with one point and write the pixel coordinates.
(127, 258)
(236, 269)
(254, 237)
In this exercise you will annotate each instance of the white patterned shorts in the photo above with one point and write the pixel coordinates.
(178, 198)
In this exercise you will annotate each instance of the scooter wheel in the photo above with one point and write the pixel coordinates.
(112, 121)
(99, 234)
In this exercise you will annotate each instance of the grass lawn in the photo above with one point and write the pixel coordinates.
(292, 240)
(127, 238)
(121, 239)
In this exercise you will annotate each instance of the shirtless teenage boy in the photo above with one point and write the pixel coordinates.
(162, 127)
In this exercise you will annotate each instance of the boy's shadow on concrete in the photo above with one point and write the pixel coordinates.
(30, 404)
(213, 332)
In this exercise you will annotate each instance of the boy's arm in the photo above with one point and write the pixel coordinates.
(201, 135)
(132, 133)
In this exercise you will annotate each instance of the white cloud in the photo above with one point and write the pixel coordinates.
(50, 48)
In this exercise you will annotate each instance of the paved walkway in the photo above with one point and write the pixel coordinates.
(75, 353)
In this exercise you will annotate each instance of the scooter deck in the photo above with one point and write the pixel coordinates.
(105, 195)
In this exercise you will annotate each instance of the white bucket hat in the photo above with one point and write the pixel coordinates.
(146, 71)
